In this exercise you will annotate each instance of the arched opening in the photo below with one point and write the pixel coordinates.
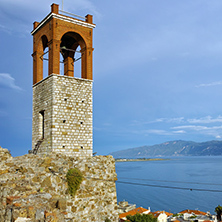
(45, 56)
(72, 50)
(41, 124)
(78, 60)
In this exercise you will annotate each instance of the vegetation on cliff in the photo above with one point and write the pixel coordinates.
(74, 178)
(141, 218)
(218, 210)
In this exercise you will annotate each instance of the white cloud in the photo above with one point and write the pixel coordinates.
(97, 128)
(179, 131)
(163, 132)
(5, 29)
(6, 80)
(209, 84)
(215, 131)
(191, 127)
(206, 119)
(178, 120)
(170, 120)
(159, 120)
(158, 132)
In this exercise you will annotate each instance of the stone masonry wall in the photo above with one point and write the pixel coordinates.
(42, 101)
(67, 105)
(34, 188)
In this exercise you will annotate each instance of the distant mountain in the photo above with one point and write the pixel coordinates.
(173, 148)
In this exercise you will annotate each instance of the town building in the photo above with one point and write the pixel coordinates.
(124, 206)
(139, 210)
(193, 215)
(162, 216)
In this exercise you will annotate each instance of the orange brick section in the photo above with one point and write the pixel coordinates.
(55, 8)
(74, 32)
(68, 66)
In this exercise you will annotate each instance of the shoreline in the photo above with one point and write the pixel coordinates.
(139, 159)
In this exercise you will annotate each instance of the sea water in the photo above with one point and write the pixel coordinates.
(171, 184)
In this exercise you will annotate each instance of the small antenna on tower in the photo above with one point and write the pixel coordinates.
(62, 5)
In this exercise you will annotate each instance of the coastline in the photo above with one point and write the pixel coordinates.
(138, 159)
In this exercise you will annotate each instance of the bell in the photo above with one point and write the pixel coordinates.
(63, 47)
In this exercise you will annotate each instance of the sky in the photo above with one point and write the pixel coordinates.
(157, 71)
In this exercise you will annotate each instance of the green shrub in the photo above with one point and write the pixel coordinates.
(193, 216)
(141, 218)
(107, 220)
(74, 178)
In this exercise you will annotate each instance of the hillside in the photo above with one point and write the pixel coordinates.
(173, 148)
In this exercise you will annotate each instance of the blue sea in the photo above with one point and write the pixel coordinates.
(184, 174)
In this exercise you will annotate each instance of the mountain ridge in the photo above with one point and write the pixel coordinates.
(173, 148)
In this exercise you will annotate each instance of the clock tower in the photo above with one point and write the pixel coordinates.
(62, 104)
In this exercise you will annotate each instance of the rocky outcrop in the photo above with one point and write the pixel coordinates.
(34, 188)
(4, 154)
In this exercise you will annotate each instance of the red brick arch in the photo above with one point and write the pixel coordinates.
(54, 31)
(69, 43)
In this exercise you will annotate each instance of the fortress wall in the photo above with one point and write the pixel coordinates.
(34, 187)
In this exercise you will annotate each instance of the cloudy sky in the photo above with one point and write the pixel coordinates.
(157, 71)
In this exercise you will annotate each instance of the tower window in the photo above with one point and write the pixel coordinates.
(42, 123)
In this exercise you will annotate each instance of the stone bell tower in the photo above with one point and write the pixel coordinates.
(62, 104)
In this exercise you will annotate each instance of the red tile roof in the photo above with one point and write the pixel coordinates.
(138, 210)
(157, 213)
(196, 212)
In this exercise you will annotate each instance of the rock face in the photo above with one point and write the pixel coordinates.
(34, 188)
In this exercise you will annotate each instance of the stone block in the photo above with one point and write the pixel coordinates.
(46, 182)
(39, 215)
(62, 204)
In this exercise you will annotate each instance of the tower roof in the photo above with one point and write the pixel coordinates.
(55, 14)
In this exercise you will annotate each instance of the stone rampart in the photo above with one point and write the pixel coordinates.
(34, 188)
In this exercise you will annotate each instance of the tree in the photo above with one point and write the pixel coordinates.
(141, 218)
(218, 210)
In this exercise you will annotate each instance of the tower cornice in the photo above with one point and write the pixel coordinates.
(64, 18)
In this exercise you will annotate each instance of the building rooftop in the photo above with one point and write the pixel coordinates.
(157, 213)
(138, 210)
(196, 212)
